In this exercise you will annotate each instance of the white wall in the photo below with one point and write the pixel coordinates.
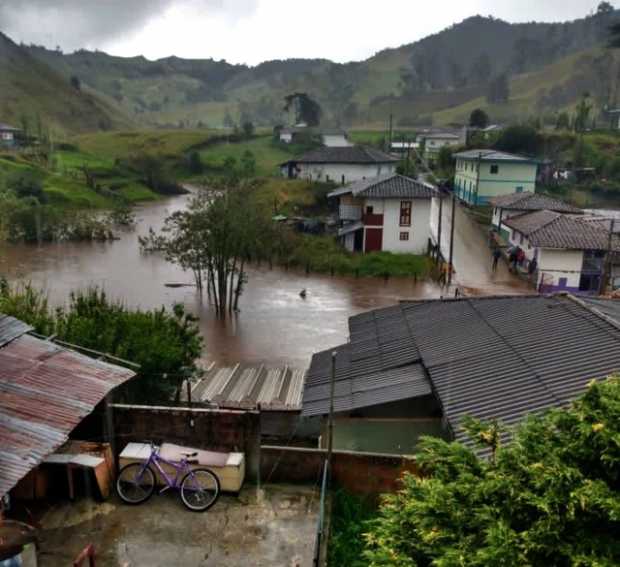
(349, 241)
(335, 141)
(286, 138)
(352, 172)
(7, 136)
(556, 264)
(419, 231)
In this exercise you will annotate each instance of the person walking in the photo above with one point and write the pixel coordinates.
(497, 254)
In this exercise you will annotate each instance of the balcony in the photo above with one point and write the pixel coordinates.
(350, 212)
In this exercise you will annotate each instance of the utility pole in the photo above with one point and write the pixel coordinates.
(390, 135)
(407, 159)
(440, 192)
(330, 422)
(606, 275)
(452, 238)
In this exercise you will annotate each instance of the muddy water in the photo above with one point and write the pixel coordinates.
(275, 325)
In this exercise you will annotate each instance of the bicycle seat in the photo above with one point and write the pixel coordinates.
(188, 455)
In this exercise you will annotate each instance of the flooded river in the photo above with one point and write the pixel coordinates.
(275, 326)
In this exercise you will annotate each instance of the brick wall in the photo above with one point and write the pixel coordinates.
(216, 430)
(360, 473)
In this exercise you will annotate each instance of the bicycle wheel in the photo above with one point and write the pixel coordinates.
(200, 489)
(135, 483)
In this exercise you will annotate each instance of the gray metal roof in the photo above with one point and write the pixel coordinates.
(388, 186)
(250, 387)
(548, 229)
(493, 155)
(528, 201)
(11, 328)
(608, 307)
(345, 154)
(8, 128)
(492, 357)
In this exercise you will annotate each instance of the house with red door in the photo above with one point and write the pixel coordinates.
(390, 213)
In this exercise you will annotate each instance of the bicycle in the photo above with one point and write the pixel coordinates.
(199, 488)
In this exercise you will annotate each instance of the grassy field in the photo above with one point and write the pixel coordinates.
(122, 144)
(268, 155)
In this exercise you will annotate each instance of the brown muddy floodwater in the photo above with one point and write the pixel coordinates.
(275, 326)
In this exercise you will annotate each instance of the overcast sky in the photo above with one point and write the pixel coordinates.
(251, 31)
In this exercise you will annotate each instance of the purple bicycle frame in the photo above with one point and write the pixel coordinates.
(155, 459)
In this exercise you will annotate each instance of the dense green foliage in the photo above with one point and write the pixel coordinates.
(550, 497)
(165, 344)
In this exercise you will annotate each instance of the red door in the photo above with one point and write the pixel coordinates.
(374, 239)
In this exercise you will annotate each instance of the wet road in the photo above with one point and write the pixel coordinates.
(472, 257)
(275, 326)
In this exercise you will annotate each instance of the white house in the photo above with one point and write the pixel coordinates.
(7, 135)
(569, 250)
(390, 213)
(340, 164)
(483, 174)
(507, 206)
(335, 138)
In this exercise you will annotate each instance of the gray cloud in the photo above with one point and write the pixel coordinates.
(73, 24)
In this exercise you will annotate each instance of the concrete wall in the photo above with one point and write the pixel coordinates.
(215, 430)
(350, 171)
(359, 473)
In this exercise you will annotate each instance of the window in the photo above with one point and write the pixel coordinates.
(519, 189)
(369, 210)
(405, 213)
(343, 179)
(404, 236)
(495, 168)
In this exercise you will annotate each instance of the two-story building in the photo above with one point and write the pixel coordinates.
(483, 174)
(340, 164)
(390, 213)
(570, 251)
(7, 135)
(507, 206)
(434, 141)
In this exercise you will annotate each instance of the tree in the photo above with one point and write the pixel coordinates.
(582, 115)
(550, 497)
(478, 118)
(481, 69)
(194, 162)
(520, 139)
(248, 129)
(164, 343)
(499, 89)
(306, 109)
(228, 120)
(248, 164)
(214, 238)
(604, 8)
(76, 83)
(563, 121)
(27, 184)
(614, 35)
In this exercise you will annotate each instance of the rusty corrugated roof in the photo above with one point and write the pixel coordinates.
(11, 328)
(45, 391)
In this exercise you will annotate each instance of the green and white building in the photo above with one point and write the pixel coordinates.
(483, 174)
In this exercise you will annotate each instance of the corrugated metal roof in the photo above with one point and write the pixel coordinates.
(271, 389)
(45, 391)
(608, 307)
(11, 328)
(492, 357)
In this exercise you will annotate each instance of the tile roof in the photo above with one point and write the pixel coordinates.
(492, 358)
(528, 201)
(345, 154)
(388, 186)
(548, 229)
(493, 155)
(45, 391)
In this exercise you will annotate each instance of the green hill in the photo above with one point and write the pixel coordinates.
(437, 79)
(32, 92)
